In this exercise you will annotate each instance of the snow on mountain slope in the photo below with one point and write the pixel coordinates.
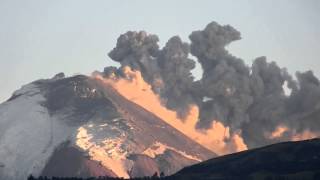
(158, 148)
(77, 127)
(28, 134)
(108, 151)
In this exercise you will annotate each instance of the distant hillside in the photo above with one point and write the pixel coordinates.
(289, 160)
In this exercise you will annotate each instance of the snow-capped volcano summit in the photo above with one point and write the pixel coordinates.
(77, 126)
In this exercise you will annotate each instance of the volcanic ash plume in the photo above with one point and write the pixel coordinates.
(133, 87)
(235, 104)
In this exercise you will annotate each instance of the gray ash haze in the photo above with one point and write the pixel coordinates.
(254, 99)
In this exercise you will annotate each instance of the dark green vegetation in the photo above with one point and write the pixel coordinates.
(283, 161)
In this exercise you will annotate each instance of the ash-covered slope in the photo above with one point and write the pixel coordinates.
(288, 160)
(79, 127)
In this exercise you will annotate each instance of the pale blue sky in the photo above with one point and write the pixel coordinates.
(40, 38)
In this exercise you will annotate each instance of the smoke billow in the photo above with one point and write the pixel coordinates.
(250, 100)
(133, 87)
(168, 70)
(137, 50)
(225, 81)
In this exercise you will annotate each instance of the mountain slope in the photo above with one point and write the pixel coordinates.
(291, 160)
(77, 126)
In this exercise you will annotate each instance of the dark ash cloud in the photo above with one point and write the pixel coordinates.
(250, 98)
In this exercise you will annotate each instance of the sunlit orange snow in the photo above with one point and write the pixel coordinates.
(108, 152)
(217, 138)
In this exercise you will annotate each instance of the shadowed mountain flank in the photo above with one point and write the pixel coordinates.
(291, 160)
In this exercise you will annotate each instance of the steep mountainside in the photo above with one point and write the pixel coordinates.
(77, 126)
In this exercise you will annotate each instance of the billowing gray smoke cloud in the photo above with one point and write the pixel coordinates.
(304, 102)
(176, 75)
(137, 50)
(167, 70)
(250, 99)
(225, 82)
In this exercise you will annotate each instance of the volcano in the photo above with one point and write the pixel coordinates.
(78, 126)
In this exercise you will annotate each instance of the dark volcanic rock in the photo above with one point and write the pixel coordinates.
(68, 161)
(78, 96)
(143, 166)
(171, 162)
